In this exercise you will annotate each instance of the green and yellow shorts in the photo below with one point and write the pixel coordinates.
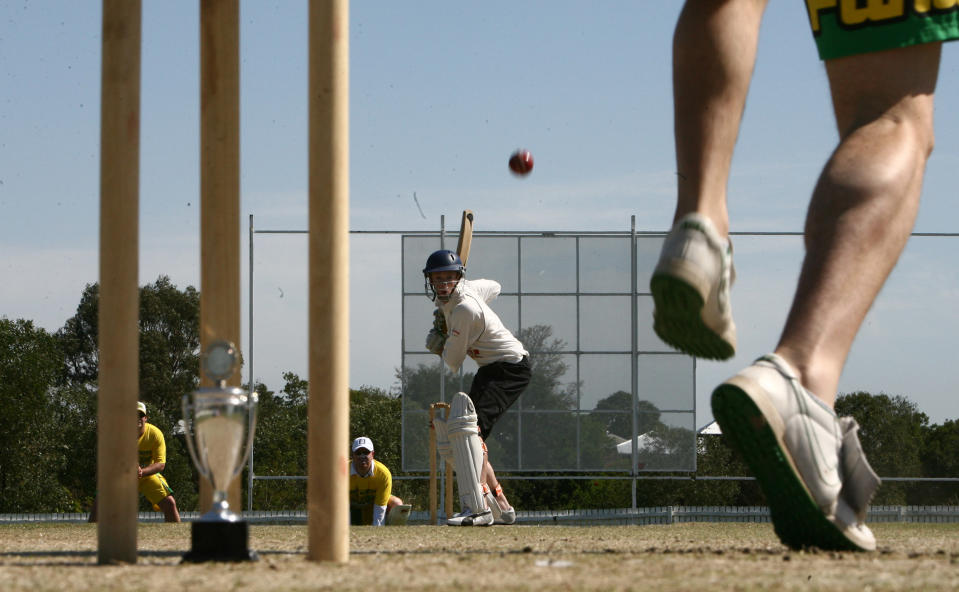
(154, 488)
(848, 27)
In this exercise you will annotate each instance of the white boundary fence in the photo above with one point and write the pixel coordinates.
(637, 516)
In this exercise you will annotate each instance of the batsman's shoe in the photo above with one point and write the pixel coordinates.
(807, 460)
(500, 516)
(506, 517)
(469, 518)
(690, 288)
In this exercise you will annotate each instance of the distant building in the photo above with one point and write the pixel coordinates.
(710, 429)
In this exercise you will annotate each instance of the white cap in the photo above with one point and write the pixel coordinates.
(362, 442)
(142, 407)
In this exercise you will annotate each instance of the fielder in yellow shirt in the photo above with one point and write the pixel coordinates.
(371, 486)
(151, 459)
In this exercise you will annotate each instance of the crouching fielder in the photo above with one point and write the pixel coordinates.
(465, 325)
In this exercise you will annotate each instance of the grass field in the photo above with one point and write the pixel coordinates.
(690, 556)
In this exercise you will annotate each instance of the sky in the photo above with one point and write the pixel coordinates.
(440, 94)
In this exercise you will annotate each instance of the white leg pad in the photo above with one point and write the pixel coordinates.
(443, 440)
(467, 448)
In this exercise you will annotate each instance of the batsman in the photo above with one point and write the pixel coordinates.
(465, 325)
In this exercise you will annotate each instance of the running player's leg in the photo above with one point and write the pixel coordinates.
(864, 204)
(714, 51)
(778, 412)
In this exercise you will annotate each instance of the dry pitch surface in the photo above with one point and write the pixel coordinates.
(698, 557)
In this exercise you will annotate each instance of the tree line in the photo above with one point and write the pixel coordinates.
(48, 401)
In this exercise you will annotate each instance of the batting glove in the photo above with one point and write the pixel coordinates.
(439, 322)
(435, 341)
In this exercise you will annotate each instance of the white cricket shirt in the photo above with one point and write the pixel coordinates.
(474, 329)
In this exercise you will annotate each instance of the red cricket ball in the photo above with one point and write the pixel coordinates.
(521, 162)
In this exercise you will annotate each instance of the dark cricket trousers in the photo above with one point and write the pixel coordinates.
(495, 388)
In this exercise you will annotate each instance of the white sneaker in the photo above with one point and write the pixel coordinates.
(807, 460)
(506, 517)
(690, 288)
(468, 518)
(500, 516)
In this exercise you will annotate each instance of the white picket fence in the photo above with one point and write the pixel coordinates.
(675, 514)
(638, 516)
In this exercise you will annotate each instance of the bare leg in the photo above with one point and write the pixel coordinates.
(489, 478)
(714, 51)
(863, 207)
(168, 506)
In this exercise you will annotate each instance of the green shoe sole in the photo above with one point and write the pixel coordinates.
(797, 519)
(678, 323)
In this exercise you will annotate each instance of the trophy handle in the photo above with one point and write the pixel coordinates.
(252, 399)
(188, 426)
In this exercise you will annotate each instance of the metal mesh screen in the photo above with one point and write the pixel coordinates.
(606, 393)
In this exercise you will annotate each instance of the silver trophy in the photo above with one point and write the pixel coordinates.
(219, 441)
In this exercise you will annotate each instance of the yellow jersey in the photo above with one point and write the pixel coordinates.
(151, 447)
(369, 493)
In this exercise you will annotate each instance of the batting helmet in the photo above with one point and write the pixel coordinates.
(443, 260)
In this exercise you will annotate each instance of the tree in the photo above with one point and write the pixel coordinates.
(891, 430)
(34, 449)
(169, 369)
(75, 415)
(621, 424)
(546, 390)
(169, 364)
(716, 459)
(280, 446)
(78, 339)
(940, 458)
(376, 414)
(420, 384)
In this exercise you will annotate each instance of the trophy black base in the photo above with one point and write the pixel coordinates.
(220, 541)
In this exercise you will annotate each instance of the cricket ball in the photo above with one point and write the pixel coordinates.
(521, 162)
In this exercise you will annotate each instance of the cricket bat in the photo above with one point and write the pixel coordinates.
(466, 236)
